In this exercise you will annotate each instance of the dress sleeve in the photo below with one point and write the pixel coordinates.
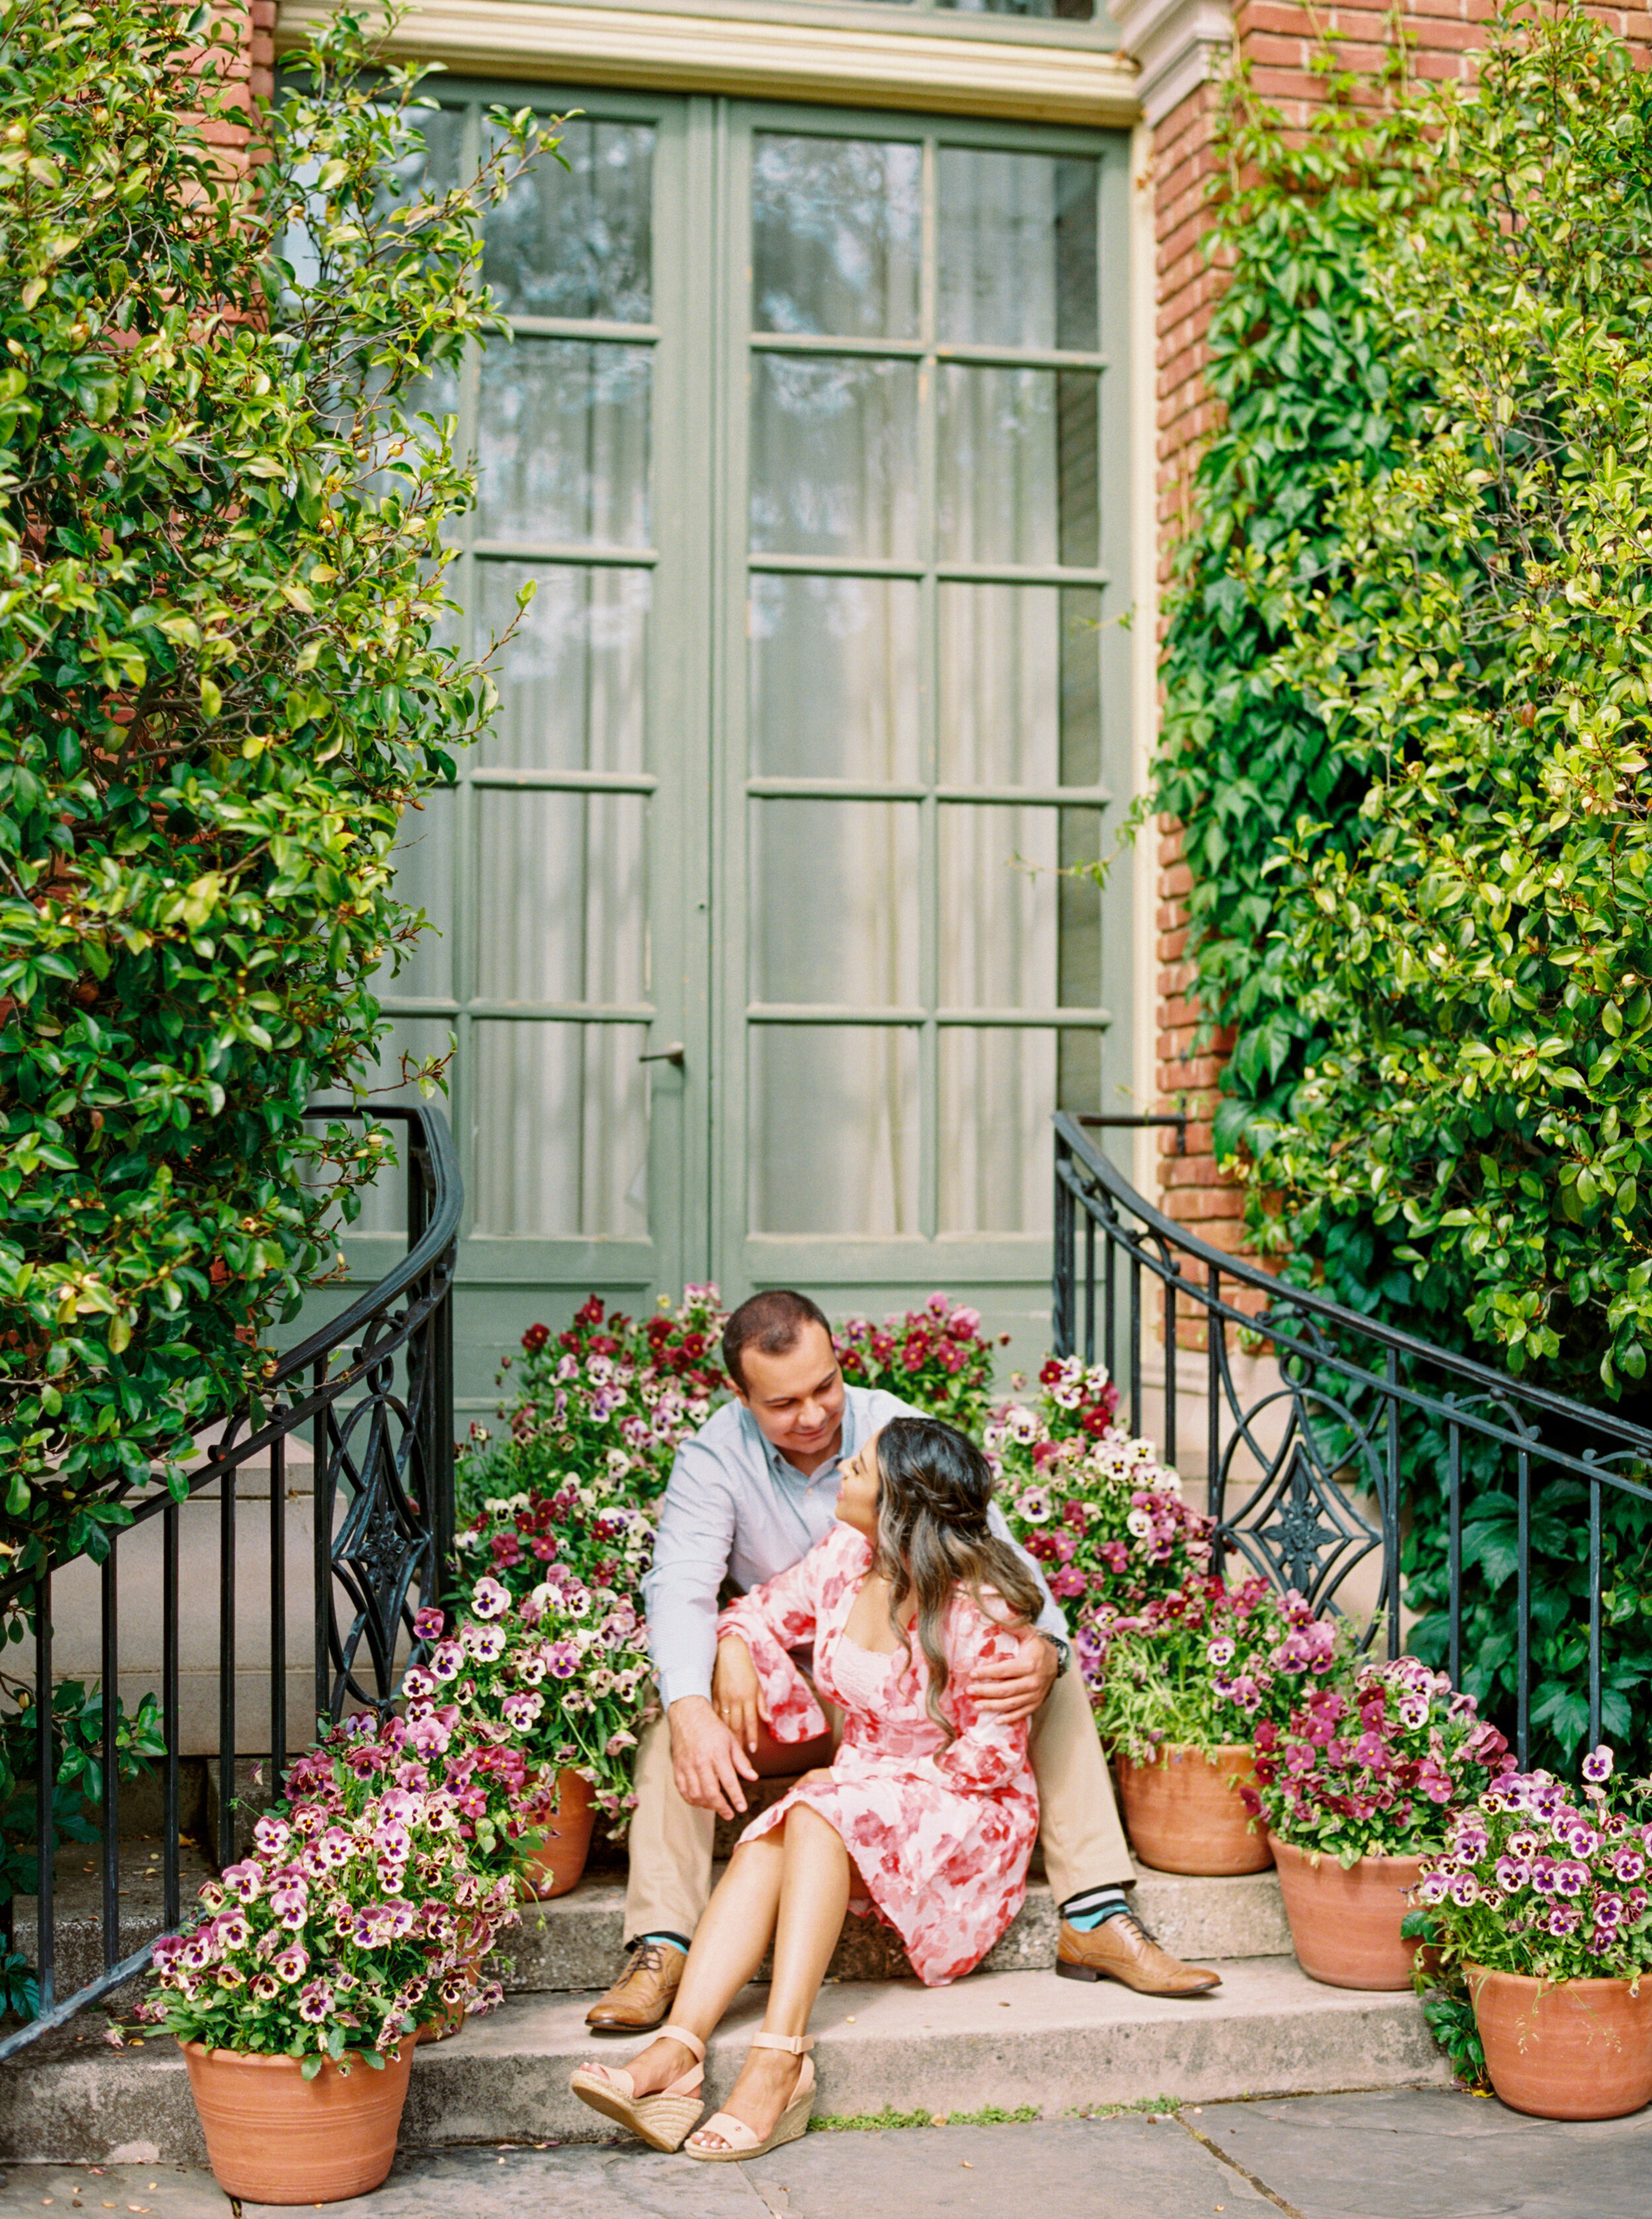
(989, 1750)
(772, 1620)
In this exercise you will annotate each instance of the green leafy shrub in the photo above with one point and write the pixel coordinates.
(1405, 705)
(77, 1776)
(1478, 965)
(221, 580)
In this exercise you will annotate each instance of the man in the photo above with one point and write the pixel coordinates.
(750, 1494)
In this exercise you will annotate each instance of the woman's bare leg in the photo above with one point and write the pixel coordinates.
(727, 1948)
(814, 1894)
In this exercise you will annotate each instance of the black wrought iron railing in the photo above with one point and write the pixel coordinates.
(1312, 1413)
(374, 1391)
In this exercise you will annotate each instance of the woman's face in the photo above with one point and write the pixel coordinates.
(857, 1489)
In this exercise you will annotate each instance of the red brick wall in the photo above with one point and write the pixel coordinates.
(251, 26)
(1279, 38)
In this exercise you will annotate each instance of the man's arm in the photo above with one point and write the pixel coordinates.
(1050, 1620)
(692, 1549)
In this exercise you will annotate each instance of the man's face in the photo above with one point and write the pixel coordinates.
(796, 1398)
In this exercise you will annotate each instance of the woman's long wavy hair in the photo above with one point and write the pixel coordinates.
(933, 1537)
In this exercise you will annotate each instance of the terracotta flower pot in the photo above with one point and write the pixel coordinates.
(1345, 1925)
(1567, 2049)
(275, 2137)
(558, 1861)
(1184, 1814)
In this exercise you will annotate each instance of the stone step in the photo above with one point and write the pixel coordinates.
(1003, 2039)
(575, 1941)
(78, 1905)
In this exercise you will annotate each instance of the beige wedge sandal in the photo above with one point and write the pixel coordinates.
(662, 2119)
(741, 2140)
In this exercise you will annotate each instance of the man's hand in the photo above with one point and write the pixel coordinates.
(1015, 1689)
(736, 1695)
(707, 1760)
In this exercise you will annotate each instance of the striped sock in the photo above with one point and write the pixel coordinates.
(675, 1940)
(1093, 1906)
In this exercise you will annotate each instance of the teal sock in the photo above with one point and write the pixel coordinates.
(1094, 1907)
(676, 1941)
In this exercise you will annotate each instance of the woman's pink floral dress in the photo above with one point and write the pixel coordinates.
(941, 1833)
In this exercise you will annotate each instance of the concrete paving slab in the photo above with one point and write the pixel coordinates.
(1390, 2155)
(1117, 2168)
(112, 2191)
(1427, 2154)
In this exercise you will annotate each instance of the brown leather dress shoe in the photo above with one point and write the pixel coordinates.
(1121, 1948)
(642, 1995)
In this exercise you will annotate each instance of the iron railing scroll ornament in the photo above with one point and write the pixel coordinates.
(374, 1391)
(1304, 1462)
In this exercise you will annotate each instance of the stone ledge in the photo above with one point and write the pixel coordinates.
(1004, 2039)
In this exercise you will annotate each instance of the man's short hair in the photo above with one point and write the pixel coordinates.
(770, 1322)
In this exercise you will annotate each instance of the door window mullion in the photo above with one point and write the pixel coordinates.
(929, 1039)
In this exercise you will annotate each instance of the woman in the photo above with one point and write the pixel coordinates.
(927, 1815)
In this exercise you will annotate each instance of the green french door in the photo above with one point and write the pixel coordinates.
(757, 948)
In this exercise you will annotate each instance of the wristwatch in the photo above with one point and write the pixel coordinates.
(1063, 1649)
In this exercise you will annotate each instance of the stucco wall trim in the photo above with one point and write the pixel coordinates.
(546, 40)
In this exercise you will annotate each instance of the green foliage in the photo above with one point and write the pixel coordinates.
(220, 581)
(77, 1770)
(1477, 962)
(1406, 677)
(1301, 361)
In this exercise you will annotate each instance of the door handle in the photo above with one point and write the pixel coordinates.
(674, 1054)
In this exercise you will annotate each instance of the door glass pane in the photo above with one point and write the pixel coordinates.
(1072, 11)
(835, 1117)
(835, 906)
(1019, 685)
(837, 236)
(1018, 464)
(384, 1204)
(563, 912)
(834, 684)
(578, 242)
(564, 443)
(435, 158)
(559, 1117)
(572, 681)
(424, 859)
(1016, 262)
(1013, 931)
(834, 456)
(997, 1165)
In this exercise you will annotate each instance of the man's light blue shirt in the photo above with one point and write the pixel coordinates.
(736, 1510)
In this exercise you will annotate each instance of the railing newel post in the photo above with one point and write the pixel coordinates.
(171, 1720)
(110, 1664)
(1596, 1734)
(46, 1797)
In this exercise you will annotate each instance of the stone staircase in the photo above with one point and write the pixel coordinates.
(1011, 2035)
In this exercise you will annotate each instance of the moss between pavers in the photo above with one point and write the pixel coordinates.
(868, 2121)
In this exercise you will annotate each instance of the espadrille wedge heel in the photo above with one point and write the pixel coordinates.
(741, 2141)
(662, 2119)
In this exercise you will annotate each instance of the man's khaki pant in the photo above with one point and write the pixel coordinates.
(1078, 1820)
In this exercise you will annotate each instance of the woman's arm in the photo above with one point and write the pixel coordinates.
(770, 1621)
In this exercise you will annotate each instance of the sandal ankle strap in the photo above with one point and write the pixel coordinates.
(682, 2035)
(795, 2044)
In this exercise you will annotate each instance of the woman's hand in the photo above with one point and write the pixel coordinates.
(736, 1695)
